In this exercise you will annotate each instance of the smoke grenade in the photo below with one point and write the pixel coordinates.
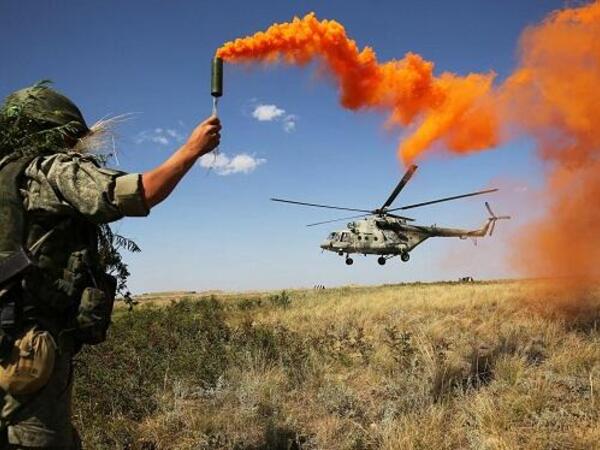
(216, 82)
(216, 90)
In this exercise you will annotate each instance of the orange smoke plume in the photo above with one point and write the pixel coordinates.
(553, 95)
(453, 110)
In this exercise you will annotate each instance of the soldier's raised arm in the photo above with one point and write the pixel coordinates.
(62, 182)
(66, 183)
(160, 182)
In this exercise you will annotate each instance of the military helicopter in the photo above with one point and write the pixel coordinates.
(382, 232)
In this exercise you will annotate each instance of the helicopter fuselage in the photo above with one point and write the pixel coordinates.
(388, 237)
(375, 236)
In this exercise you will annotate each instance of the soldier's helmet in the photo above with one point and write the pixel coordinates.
(39, 111)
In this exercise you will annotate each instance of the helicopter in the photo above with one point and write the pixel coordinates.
(384, 233)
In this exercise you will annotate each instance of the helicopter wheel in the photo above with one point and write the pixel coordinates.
(349, 261)
(405, 257)
(341, 253)
(381, 261)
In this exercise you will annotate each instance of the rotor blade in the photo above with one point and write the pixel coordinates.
(446, 199)
(493, 227)
(319, 206)
(395, 216)
(336, 220)
(487, 205)
(407, 176)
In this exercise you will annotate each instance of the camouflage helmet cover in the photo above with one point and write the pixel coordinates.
(40, 114)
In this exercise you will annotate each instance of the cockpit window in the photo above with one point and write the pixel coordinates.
(345, 237)
(332, 236)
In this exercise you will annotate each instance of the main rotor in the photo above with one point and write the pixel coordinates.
(384, 210)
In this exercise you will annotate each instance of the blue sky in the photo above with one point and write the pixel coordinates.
(220, 231)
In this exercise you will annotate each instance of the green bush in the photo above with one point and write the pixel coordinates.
(151, 347)
(146, 347)
(282, 300)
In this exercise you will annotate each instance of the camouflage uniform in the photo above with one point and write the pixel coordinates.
(61, 185)
(58, 183)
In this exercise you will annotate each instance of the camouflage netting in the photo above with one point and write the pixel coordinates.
(38, 119)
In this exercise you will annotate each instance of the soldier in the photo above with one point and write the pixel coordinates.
(54, 295)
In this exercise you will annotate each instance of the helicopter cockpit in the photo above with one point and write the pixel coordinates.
(335, 239)
(339, 236)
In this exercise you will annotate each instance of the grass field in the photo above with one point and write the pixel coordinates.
(507, 365)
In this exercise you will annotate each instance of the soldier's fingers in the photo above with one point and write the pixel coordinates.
(207, 122)
(212, 120)
(213, 129)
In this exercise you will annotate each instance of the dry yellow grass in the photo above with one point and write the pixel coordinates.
(425, 366)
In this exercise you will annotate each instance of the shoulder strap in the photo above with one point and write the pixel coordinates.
(12, 212)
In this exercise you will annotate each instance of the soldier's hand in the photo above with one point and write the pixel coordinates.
(158, 183)
(205, 137)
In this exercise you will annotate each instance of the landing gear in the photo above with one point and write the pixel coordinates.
(405, 257)
(381, 261)
(349, 261)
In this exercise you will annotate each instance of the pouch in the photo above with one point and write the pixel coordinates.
(30, 365)
(93, 318)
(6, 345)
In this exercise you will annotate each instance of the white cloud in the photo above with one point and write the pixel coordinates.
(179, 137)
(273, 113)
(289, 123)
(225, 165)
(267, 113)
(161, 136)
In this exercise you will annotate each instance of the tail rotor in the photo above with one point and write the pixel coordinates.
(494, 218)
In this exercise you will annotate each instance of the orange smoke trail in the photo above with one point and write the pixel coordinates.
(453, 110)
(553, 95)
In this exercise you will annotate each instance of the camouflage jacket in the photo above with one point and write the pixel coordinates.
(62, 183)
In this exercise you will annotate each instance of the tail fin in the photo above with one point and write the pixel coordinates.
(491, 223)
